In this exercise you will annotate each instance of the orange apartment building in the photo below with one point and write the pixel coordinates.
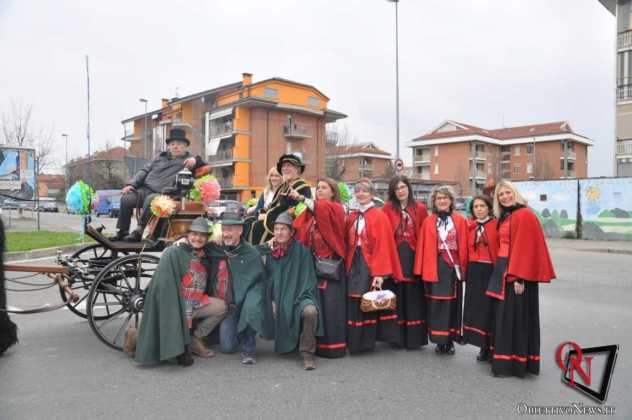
(242, 129)
(474, 157)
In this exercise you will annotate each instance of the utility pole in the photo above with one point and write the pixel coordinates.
(145, 147)
(88, 126)
(396, 79)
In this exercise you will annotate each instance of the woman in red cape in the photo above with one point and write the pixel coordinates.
(482, 250)
(406, 217)
(371, 262)
(522, 263)
(441, 261)
(321, 228)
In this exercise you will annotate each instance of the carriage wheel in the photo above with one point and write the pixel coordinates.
(116, 297)
(91, 260)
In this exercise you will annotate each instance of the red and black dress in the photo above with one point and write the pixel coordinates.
(482, 250)
(321, 228)
(440, 260)
(411, 303)
(522, 256)
(371, 252)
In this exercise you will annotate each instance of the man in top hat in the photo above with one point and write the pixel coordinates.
(179, 311)
(237, 277)
(292, 191)
(292, 293)
(152, 180)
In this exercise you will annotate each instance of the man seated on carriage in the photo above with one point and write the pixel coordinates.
(152, 180)
(237, 276)
(179, 311)
(291, 168)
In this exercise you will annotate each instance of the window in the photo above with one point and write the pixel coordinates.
(270, 93)
(436, 150)
(436, 171)
(542, 197)
(313, 101)
(529, 148)
(516, 169)
(517, 150)
(418, 151)
(418, 170)
(529, 168)
(504, 149)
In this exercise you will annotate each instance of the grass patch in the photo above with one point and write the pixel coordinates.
(26, 241)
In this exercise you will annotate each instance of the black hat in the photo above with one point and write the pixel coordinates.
(230, 218)
(290, 158)
(177, 134)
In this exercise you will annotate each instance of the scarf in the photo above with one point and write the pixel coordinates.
(280, 250)
(506, 212)
(480, 232)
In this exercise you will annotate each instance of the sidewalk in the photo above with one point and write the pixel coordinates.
(616, 247)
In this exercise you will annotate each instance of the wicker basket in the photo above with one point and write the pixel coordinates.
(378, 300)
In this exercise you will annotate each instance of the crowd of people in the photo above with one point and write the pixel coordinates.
(300, 277)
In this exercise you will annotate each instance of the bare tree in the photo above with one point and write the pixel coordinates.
(337, 140)
(18, 131)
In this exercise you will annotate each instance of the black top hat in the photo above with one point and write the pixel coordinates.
(177, 134)
(290, 158)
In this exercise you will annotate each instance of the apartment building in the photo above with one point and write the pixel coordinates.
(475, 157)
(241, 129)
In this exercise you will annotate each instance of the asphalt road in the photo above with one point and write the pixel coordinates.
(54, 221)
(61, 371)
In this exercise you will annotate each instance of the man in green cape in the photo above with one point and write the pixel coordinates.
(293, 294)
(238, 277)
(175, 298)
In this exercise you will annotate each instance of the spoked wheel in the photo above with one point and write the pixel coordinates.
(85, 265)
(117, 296)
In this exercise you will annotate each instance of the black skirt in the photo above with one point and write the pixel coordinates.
(333, 303)
(444, 305)
(516, 339)
(411, 303)
(365, 328)
(478, 316)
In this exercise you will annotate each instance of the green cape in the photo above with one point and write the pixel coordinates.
(292, 286)
(164, 331)
(248, 283)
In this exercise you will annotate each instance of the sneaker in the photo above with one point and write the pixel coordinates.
(248, 359)
(135, 236)
(129, 347)
(308, 362)
(199, 348)
(186, 358)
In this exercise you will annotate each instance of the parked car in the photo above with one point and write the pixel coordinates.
(104, 200)
(115, 205)
(48, 205)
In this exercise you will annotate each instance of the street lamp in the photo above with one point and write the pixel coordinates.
(65, 136)
(396, 80)
(145, 127)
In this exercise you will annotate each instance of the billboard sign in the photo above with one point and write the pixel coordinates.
(17, 172)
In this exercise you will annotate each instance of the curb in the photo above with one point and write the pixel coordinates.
(608, 251)
(42, 253)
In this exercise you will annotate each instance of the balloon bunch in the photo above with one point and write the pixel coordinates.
(345, 194)
(79, 198)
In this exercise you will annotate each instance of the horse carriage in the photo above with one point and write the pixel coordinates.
(105, 282)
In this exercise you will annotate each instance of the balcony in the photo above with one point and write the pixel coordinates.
(222, 156)
(505, 156)
(479, 155)
(624, 93)
(570, 155)
(624, 40)
(423, 159)
(225, 182)
(296, 132)
(571, 174)
(221, 128)
(479, 175)
(624, 147)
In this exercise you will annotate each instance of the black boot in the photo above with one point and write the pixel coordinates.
(483, 355)
(186, 358)
(135, 236)
(120, 235)
(449, 349)
(439, 349)
(8, 332)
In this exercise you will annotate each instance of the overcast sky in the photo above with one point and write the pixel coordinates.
(481, 62)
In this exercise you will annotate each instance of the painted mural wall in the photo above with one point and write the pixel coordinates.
(598, 209)
(555, 204)
(606, 208)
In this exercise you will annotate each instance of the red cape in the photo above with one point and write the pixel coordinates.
(529, 257)
(330, 219)
(417, 212)
(427, 243)
(491, 233)
(380, 253)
